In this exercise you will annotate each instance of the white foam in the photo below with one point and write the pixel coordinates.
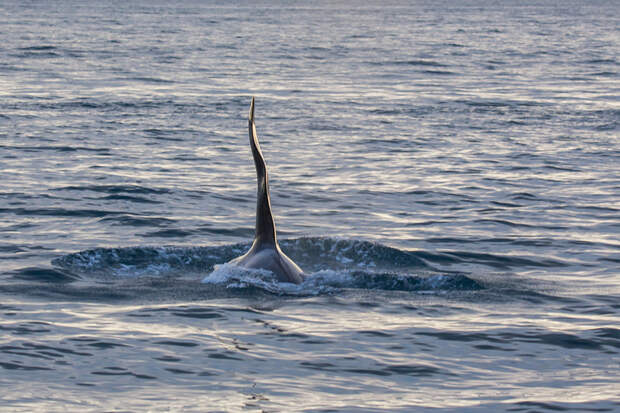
(232, 276)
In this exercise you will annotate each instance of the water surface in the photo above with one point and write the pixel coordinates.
(446, 172)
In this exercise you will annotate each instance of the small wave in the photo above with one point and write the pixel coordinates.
(58, 148)
(610, 61)
(602, 74)
(169, 233)
(313, 254)
(12, 249)
(60, 212)
(146, 79)
(136, 199)
(507, 223)
(137, 221)
(9, 68)
(115, 189)
(502, 261)
(42, 51)
(438, 72)
(37, 54)
(329, 281)
(333, 253)
(37, 48)
(416, 62)
(332, 265)
(586, 340)
(136, 261)
(163, 134)
(44, 275)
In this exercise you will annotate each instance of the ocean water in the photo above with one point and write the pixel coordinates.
(447, 173)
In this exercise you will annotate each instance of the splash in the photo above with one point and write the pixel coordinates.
(330, 281)
(332, 265)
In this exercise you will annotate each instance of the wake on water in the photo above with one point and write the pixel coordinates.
(332, 265)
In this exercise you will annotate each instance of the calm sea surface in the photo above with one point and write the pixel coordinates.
(448, 172)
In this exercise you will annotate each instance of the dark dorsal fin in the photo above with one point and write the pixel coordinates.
(265, 226)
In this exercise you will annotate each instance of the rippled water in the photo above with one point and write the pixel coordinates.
(447, 172)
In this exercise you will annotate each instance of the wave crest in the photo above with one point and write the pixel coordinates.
(332, 264)
(330, 281)
(312, 254)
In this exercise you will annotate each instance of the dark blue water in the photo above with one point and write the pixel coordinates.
(448, 173)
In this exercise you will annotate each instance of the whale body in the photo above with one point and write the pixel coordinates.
(265, 253)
